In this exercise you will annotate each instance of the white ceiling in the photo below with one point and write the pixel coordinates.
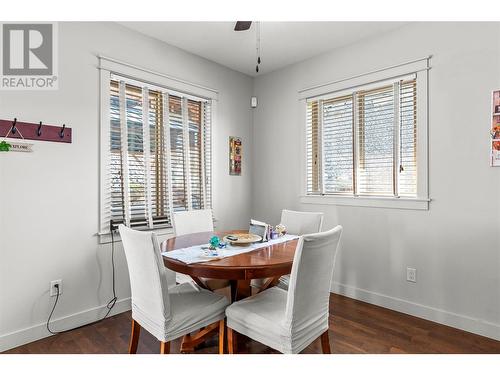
(282, 43)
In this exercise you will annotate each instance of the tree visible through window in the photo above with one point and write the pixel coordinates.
(160, 156)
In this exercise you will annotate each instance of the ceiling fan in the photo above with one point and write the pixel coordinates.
(244, 26)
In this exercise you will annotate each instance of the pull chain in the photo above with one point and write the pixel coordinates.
(257, 46)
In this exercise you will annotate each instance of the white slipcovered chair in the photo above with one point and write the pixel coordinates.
(302, 222)
(166, 311)
(289, 321)
(195, 221)
(299, 223)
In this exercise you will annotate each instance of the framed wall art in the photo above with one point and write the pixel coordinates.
(235, 153)
(495, 129)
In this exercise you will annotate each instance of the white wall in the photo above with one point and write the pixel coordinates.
(455, 246)
(49, 199)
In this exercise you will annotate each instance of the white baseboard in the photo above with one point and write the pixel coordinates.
(39, 331)
(466, 323)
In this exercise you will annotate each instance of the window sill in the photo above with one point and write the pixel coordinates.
(364, 201)
(105, 238)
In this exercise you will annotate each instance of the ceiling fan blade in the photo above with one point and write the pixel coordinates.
(242, 25)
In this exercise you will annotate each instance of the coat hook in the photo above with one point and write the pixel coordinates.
(61, 134)
(14, 129)
(39, 131)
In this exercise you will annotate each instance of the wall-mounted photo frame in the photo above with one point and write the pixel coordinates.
(495, 129)
(235, 154)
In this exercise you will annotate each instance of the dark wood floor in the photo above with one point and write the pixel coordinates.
(355, 327)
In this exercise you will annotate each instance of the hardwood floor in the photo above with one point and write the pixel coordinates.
(355, 327)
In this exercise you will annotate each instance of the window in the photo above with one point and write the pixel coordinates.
(368, 145)
(364, 143)
(159, 158)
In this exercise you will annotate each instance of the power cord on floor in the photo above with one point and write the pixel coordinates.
(109, 305)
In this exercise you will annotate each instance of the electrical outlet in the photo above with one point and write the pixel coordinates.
(411, 274)
(53, 289)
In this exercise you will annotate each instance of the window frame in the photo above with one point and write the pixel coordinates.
(108, 70)
(418, 69)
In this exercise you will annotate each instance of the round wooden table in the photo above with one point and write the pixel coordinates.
(270, 262)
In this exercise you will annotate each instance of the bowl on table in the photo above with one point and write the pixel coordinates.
(242, 238)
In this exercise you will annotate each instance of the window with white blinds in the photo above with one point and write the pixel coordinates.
(159, 155)
(363, 142)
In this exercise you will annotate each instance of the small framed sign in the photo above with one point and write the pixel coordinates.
(16, 146)
(495, 130)
(235, 154)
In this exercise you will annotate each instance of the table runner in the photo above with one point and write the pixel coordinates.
(195, 254)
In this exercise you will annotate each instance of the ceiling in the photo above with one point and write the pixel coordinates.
(282, 43)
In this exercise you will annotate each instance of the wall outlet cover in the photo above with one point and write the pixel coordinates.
(411, 274)
(53, 289)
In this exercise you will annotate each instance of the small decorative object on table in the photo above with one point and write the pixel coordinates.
(214, 242)
(280, 229)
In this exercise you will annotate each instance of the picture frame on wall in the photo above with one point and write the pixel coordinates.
(235, 156)
(495, 130)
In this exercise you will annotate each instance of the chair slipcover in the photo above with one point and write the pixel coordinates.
(195, 221)
(289, 321)
(299, 223)
(167, 313)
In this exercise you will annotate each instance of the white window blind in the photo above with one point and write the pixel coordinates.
(337, 135)
(376, 130)
(363, 143)
(160, 155)
(408, 139)
(313, 145)
(177, 148)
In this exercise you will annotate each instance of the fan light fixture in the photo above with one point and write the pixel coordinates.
(244, 26)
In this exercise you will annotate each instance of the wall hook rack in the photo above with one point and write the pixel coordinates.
(61, 134)
(35, 131)
(13, 129)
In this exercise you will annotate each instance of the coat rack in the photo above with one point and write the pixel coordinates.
(33, 131)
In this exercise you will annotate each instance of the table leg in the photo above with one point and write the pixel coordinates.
(270, 282)
(200, 283)
(234, 289)
(189, 342)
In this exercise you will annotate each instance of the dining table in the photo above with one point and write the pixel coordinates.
(268, 262)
